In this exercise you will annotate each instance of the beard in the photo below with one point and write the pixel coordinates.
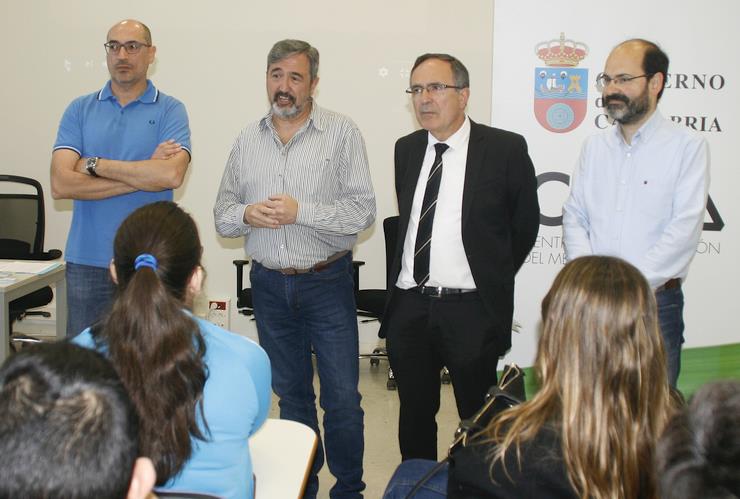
(285, 112)
(630, 111)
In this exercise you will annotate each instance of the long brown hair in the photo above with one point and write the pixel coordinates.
(154, 345)
(603, 382)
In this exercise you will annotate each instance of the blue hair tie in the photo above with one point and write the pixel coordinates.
(145, 260)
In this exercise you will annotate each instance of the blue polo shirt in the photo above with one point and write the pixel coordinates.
(97, 125)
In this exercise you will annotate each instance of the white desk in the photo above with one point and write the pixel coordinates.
(282, 453)
(28, 283)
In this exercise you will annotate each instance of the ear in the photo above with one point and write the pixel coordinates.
(152, 53)
(113, 274)
(656, 82)
(313, 85)
(195, 283)
(464, 95)
(142, 479)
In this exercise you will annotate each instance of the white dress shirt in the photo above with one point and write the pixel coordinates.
(642, 202)
(448, 263)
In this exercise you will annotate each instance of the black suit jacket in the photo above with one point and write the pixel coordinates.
(500, 215)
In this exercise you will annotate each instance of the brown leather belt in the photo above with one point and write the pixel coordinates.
(316, 268)
(670, 284)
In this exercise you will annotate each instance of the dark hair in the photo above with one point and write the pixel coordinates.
(288, 48)
(67, 426)
(459, 71)
(654, 60)
(155, 346)
(698, 454)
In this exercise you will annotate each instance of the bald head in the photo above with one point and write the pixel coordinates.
(137, 25)
(651, 58)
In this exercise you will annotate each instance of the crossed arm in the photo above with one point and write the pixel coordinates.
(165, 169)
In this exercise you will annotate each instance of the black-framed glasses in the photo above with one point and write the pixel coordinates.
(603, 80)
(432, 88)
(129, 47)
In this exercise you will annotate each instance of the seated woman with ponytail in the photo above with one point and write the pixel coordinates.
(200, 391)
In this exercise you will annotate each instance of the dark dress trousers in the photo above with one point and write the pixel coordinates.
(468, 332)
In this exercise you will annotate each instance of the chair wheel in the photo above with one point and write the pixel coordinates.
(374, 361)
(445, 377)
(391, 384)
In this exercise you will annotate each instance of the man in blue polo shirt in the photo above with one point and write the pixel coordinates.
(117, 149)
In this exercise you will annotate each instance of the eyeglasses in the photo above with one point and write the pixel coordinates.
(603, 80)
(432, 88)
(130, 47)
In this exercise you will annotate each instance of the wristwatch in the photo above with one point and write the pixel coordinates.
(91, 164)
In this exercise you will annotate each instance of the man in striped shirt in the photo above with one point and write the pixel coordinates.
(297, 186)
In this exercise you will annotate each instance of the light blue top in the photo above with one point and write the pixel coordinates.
(642, 202)
(236, 400)
(97, 125)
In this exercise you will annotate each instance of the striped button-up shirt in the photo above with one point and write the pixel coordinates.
(324, 167)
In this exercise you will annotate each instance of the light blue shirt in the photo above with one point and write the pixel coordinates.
(642, 202)
(236, 400)
(97, 125)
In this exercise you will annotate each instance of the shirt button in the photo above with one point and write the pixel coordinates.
(282, 246)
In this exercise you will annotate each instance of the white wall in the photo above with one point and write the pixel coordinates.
(211, 55)
(691, 33)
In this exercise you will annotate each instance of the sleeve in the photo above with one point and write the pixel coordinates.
(259, 369)
(576, 225)
(228, 212)
(676, 247)
(354, 209)
(523, 204)
(176, 126)
(84, 339)
(69, 135)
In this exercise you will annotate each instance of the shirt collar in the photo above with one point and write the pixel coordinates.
(150, 95)
(643, 134)
(457, 140)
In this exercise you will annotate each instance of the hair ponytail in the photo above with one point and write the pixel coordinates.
(155, 346)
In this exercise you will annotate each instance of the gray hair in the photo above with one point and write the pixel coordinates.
(287, 48)
(459, 71)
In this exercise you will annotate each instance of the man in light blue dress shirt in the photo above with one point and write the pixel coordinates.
(639, 189)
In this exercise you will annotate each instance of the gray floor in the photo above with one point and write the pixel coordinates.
(381, 429)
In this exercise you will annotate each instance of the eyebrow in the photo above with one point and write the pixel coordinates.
(291, 73)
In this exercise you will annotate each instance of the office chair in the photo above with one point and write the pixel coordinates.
(243, 295)
(371, 302)
(22, 238)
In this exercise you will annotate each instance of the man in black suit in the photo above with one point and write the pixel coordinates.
(467, 201)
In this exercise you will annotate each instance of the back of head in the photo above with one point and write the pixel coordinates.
(67, 426)
(698, 454)
(603, 386)
(154, 345)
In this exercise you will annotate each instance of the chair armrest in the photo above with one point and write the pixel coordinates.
(52, 254)
(239, 276)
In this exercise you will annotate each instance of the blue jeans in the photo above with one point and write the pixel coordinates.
(670, 316)
(408, 474)
(294, 314)
(89, 295)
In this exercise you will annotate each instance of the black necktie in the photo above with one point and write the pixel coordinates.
(423, 247)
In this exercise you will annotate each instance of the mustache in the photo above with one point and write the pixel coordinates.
(283, 94)
(616, 98)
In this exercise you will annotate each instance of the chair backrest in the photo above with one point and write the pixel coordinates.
(23, 222)
(282, 452)
(390, 231)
